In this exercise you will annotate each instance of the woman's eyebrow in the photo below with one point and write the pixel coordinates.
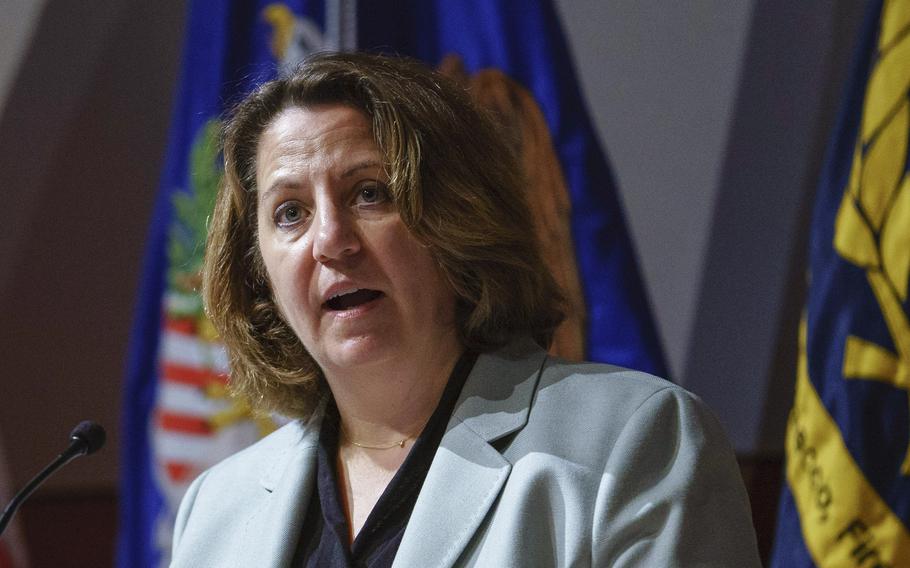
(279, 183)
(360, 166)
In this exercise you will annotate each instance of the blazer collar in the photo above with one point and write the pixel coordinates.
(299, 436)
(468, 473)
(288, 480)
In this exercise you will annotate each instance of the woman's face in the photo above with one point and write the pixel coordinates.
(354, 285)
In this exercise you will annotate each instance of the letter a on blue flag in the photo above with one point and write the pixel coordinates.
(178, 419)
(847, 497)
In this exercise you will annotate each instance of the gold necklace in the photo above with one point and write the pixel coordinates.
(398, 444)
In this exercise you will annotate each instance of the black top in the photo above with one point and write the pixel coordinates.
(324, 538)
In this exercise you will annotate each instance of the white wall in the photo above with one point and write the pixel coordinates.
(660, 79)
(20, 17)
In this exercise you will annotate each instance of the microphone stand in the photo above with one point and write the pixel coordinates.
(79, 446)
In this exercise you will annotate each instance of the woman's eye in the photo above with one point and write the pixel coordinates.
(289, 214)
(371, 194)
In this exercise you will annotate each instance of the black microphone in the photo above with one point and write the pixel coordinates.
(86, 438)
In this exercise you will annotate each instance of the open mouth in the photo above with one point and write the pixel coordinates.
(351, 300)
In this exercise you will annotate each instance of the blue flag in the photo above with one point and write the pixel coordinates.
(847, 497)
(177, 417)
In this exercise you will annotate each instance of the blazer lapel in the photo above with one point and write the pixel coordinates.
(273, 529)
(468, 473)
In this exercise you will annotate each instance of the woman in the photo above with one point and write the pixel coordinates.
(373, 270)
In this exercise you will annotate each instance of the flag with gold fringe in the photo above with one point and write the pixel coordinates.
(847, 496)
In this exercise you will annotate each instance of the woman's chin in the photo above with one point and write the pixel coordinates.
(353, 354)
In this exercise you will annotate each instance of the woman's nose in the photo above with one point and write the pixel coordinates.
(335, 236)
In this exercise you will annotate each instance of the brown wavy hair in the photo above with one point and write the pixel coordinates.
(458, 188)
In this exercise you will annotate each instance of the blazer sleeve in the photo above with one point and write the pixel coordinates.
(671, 493)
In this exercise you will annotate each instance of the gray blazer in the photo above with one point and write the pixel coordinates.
(544, 463)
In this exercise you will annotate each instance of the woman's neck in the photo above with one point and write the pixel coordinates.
(389, 402)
